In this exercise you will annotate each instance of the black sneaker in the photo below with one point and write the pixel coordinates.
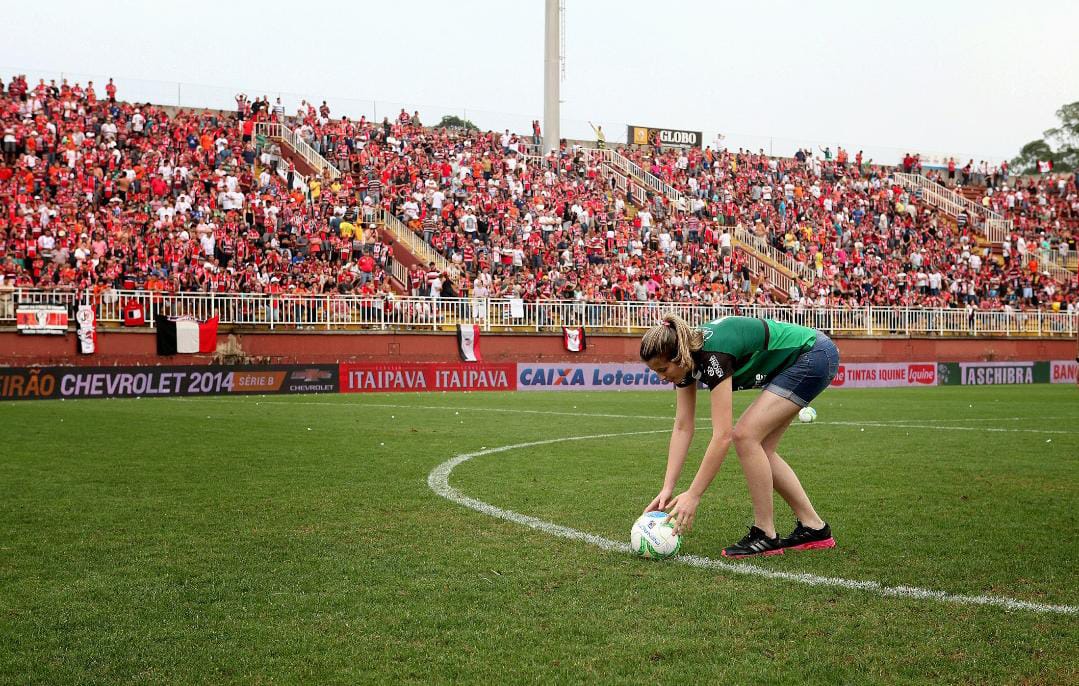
(804, 538)
(755, 543)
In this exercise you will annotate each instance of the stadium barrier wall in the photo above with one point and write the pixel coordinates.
(78, 382)
(138, 347)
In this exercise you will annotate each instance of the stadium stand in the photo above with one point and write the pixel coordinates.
(99, 193)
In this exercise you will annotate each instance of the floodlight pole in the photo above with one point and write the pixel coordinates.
(551, 55)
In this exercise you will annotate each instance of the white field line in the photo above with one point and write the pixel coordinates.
(937, 427)
(439, 482)
(403, 406)
(975, 419)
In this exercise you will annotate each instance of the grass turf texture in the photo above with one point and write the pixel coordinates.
(277, 540)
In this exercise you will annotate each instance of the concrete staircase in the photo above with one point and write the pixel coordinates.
(764, 261)
(992, 226)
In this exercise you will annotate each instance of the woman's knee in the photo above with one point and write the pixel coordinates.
(744, 437)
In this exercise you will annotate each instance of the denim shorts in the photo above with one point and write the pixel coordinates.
(810, 374)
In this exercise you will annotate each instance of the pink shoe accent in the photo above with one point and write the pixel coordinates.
(814, 545)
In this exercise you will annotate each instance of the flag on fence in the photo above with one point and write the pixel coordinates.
(1045, 166)
(573, 338)
(468, 338)
(87, 330)
(133, 314)
(185, 335)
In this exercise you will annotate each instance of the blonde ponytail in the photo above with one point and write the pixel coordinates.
(672, 339)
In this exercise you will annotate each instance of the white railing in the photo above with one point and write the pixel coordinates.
(760, 244)
(995, 227)
(416, 245)
(299, 146)
(632, 169)
(762, 268)
(352, 312)
(992, 224)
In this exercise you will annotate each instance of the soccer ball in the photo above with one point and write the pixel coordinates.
(807, 414)
(653, 538)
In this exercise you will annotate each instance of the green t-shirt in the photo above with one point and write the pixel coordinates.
(752, 351)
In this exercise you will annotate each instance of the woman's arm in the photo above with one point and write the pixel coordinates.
(683, 507)
(716, 452)
(681, 437)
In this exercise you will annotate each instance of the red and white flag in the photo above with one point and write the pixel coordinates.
(468, 339)
(573, 338)
(87, 329)
(185, 335)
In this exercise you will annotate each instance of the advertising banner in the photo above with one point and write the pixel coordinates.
(885, 374)
(1063, 371)
(128, 382)
(588, 377)
(992, 373)
(678, 138)
(433, 376)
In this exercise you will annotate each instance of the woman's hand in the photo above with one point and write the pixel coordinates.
(661, 501)
(683, 509)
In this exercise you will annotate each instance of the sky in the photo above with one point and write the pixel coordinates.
(970, 79)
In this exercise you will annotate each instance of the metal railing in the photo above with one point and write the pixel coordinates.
(407, 237)
(645, 178)
(797, 269)
(765, 262)
(353, 312)
(763, 268)
(299, 146)
(995, 227)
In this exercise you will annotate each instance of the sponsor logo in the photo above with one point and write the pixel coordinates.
(885, 374)
(540, 377)
(714, 369)
(973, 375)
(27, 384)
(427, 377)
(312, 380)
(646, 135)
(255, 382)
(840, 376)
(1064, 371)
(126, 382)
(922, 373)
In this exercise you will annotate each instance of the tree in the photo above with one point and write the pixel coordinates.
(453, 122)
(1065, 137)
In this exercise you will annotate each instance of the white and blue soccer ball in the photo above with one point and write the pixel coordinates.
(653, 537)
(807, 414)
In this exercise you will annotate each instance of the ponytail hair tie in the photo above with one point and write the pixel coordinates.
(666, 323)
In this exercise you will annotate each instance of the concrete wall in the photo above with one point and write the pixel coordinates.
(138, 348)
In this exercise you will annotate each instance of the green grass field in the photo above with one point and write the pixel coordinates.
(296, 540)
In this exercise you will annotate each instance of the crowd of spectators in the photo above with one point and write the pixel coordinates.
(101, 193)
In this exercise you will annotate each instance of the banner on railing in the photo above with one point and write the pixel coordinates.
(885, 374)
(651, 135)
(588, 377)
(426, 376)
(130, 382)
(42, 319)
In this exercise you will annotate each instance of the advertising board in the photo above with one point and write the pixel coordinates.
(588, 377)
(885, 374)
(430, 376)
(38, 383)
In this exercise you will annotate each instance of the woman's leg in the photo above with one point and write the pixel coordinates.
(765, 415)
(786, 482)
